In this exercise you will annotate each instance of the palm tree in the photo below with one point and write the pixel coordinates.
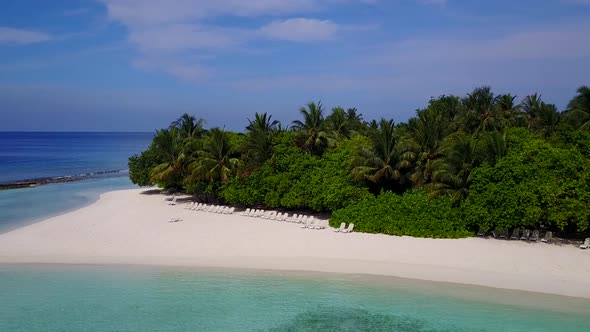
(579, 108)
(421, 143)
(508, 112)
(379, 164)
(337, 122)
(313, 136)
(168, 146)
(189, 126)
(354, 120)
(259, 139)
(453, 173)
(217, 160)
(481, 113)
(531, 107)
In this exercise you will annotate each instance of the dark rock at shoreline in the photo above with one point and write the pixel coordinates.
(31, 183)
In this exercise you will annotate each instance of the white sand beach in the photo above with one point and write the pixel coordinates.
(128, 227)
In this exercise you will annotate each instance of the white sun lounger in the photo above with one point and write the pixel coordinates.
(586, 244)
(231, 210)
(253, 213)
(174, 219)
(342, 226)
(286, 217)
(189, 205)
(293, 218)
(349, 229)
(311, 222)
(173, 201)
(320, 224)
(245, 213)
(305, 222)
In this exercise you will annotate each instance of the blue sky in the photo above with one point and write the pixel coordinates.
(135, 65)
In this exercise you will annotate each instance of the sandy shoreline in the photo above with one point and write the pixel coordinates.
(126, 227)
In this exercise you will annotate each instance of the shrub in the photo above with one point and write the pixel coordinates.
(412, 214)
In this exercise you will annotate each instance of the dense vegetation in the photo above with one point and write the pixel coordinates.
(483, 161)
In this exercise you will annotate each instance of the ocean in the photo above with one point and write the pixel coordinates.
(133, 298)
(101, 158)
(108, 298)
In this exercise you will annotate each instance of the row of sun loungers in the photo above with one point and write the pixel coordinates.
(527, 235)
(210, 208)
(309, 222)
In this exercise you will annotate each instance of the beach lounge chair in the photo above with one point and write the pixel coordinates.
(273, 215)
(189, 205)
(515, 234)
(294, 218)
(525, 235)
(195, 206)
(500, 233)
(172, 201)
(225, 209)
(174, 219)
(586, 244)
(320, 224)
(342, 226)
(231, 210)
(305, 222)
(481, 232)
(311, 222)
(283, 217)
(198, 207)
(286, 217)
(245, 213)
(548, 237)
(349, 229)
(535, 236)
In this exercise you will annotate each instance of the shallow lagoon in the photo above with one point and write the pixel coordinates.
(121, 298)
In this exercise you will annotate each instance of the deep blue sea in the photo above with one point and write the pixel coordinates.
(32, 155)
(125, 298)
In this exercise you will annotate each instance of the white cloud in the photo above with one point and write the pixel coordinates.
(20, 36)
(142, 12)
(559, 42)
(182, 37)
(300, 30)
(172, 30)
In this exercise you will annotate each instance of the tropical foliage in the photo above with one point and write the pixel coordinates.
(482, 161)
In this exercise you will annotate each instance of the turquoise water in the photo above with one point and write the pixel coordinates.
(104, 298)
(19, 207)
(27, 155)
